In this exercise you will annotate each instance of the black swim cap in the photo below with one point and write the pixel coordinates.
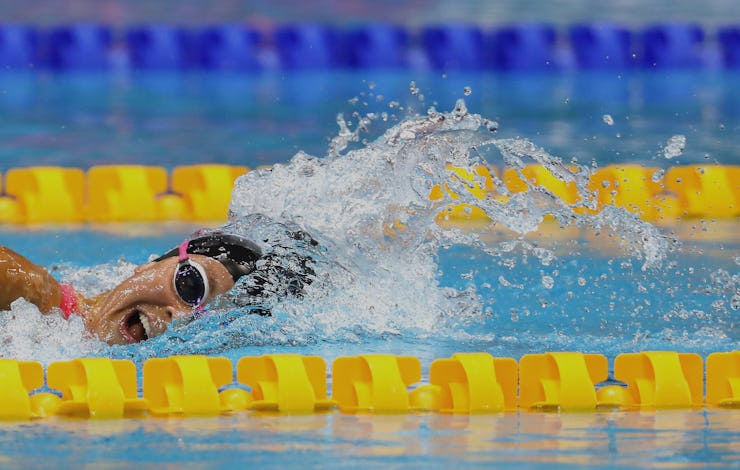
(237, 254)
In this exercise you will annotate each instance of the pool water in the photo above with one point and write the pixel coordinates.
(606, 283)
(602, 300)
(174, 119)
(528, 440)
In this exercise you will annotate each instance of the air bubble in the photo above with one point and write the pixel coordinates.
(608, 119)
(467, 91)
(548, 282)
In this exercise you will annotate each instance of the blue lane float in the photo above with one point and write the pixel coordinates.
(524, 47)
(729, 41)
(295, 46)
(601, 46)
(673, 45)
(19, 47)
(159, 47)
(229, 47)
(79, 47)
(454, 47)
(377, 45)
(307, 46)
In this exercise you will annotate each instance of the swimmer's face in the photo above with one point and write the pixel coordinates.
(143, 305)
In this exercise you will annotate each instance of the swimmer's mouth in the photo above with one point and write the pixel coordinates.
(135, 327)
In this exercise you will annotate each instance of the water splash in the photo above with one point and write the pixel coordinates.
(371, 208)
(675, 146)
(379, 260)
(26, 334)
(380, 244)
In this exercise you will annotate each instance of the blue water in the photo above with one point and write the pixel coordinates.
(527, 440)
(591, 296)
(598, 301)
(251, 120)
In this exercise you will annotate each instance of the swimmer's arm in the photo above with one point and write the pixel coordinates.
(21, 278)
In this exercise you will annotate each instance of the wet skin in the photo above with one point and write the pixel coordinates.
(139, 308)
(143, 305)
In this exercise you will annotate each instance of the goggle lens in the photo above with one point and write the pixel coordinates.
(190, 283)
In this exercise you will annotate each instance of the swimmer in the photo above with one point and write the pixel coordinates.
(175, 285)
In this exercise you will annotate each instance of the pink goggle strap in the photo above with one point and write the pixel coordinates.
(183, 250)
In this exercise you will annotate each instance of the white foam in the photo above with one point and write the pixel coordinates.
(27, 334)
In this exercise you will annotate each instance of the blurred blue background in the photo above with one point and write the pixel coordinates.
(177, 82)
(413, 12)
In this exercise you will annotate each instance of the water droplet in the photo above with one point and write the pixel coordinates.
(608, 119)
(657, 177)
(514, 315)
(371, 85)
(413, 89)
(581, 281)
(492, 126)
(467, 91)
(548, 282)
(675, 146)
(735, 302)
(460, 110)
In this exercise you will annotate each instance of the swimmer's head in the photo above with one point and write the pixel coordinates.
(175, 285)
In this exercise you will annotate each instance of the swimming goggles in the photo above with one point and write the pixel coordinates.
(190, 280)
